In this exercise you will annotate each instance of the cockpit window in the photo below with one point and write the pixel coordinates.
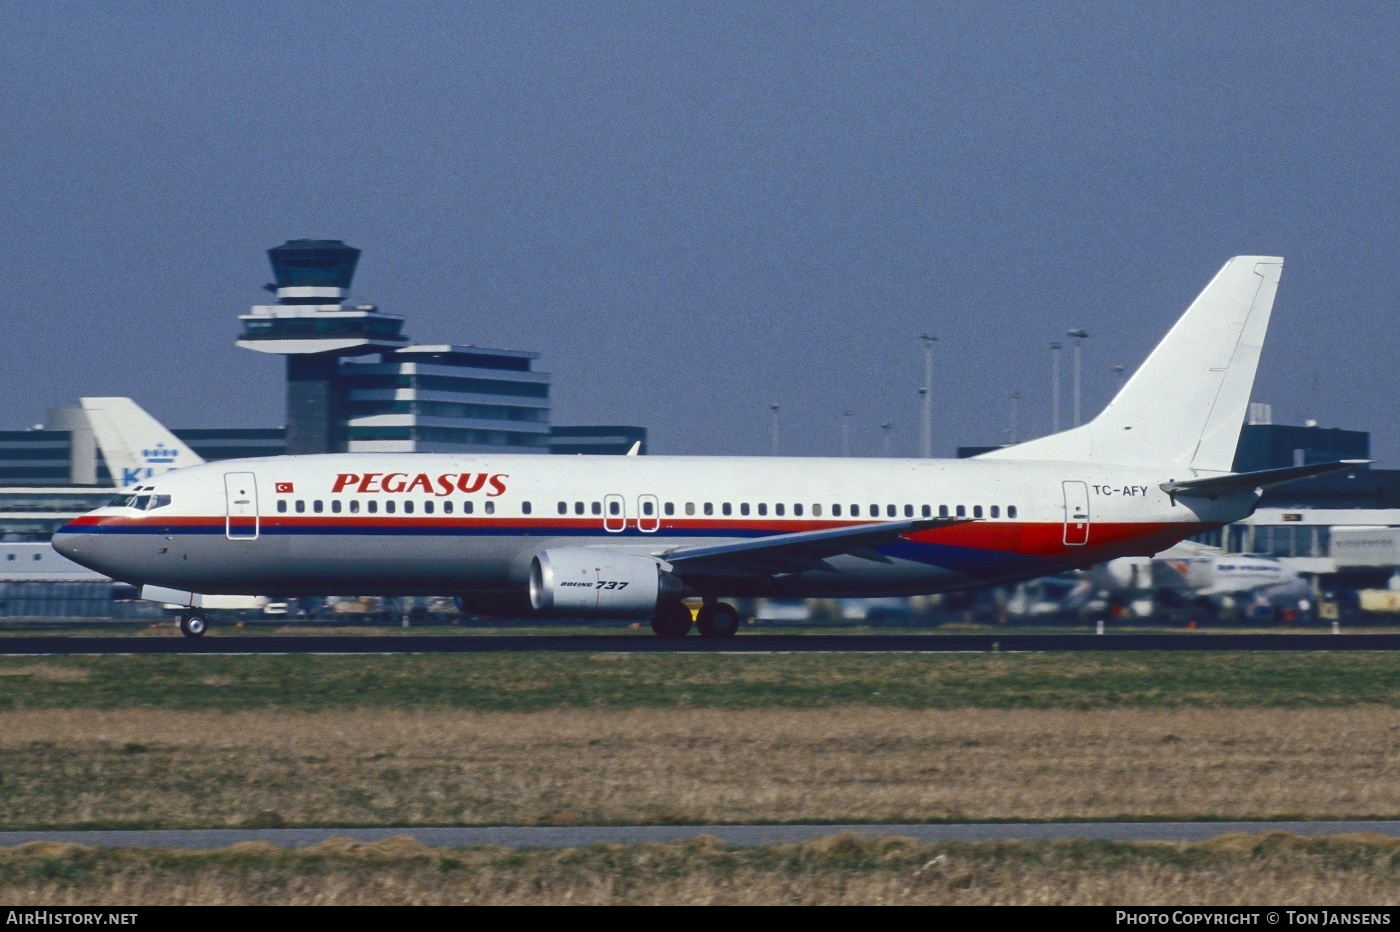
(139, 502)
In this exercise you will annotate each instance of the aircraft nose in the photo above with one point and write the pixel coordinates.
(68, 543)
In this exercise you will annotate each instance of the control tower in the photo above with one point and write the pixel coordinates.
(312, 326)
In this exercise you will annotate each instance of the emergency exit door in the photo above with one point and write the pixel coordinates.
(1076, 514)
(241, 497)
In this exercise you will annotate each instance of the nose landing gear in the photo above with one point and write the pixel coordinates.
(193, 624)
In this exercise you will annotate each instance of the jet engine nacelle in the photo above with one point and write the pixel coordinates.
(596, 583)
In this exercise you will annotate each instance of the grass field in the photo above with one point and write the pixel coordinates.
(1277, 870)
(540, 681)
(256, 740)
(154, 768)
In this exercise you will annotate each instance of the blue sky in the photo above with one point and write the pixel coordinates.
(694, 211)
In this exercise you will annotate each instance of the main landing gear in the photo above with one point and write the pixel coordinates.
(193, 624)
(714, 620)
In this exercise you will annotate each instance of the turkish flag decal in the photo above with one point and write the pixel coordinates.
(284, 487)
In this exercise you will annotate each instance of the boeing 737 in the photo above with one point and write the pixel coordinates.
(613, 536)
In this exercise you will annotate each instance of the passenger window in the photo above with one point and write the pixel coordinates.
(372, 506)
(778, 509)
(996, 511)
(727, 508)
(578, 508)
(525, 507)
(816, 511)
(563, 508)
(855, 511)
(301, 506)
(427, 508)
(927, 511)
(977, 511)
(489, 508)
(335, 506)
(282, 505)
(908, 511)
(354, 506)
(744, 509)
(468, 508)
(1011, 511)
(648, 508)
(597, 508)
(670, 508)
(614, 508)
(890, 511)
(389, 507)
(709, 508)
(408, 508)
(690, 508)
(797, 510)
(762, 509)
(874, 511)
(836, 511)
(316, 506)
(447, 508)
(942, 511)
(962, 511)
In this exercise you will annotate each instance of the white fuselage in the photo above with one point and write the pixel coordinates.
(454, 524)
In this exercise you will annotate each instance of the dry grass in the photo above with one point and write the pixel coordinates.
(147, 767)
(1277, 870)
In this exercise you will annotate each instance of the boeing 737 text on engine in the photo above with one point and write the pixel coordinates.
(608, 536)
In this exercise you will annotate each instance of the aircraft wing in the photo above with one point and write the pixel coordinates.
(1235, 483)
(797, 553)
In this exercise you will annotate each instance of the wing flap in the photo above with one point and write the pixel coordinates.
(797, 553)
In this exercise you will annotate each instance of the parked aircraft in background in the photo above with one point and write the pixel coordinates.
(1193, 574)
(134, 445)
(630, 536)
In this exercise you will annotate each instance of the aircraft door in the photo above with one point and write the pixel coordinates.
(1076, 513)
(614, 514)
(648, 514)
(241, 496)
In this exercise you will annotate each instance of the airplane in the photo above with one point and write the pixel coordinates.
(135, 446)
(1208, 579)
(630, 536)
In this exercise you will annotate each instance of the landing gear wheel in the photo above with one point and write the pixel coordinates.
(672, 620)
(193, 625)
(717, 620)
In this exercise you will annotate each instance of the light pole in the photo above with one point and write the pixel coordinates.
(1055, 386)
(1015, 404)
(845, 433)
(774, 409)
(1080, 335)
(926, 446)
(887, 427)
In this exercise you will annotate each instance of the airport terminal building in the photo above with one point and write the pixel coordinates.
(354, 382)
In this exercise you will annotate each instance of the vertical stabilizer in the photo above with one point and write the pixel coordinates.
(1185, 405)
(134, 445)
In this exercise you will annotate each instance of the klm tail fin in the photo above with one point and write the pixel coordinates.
(134, 445)
(1185, 406)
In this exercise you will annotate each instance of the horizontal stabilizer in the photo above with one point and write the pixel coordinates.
(1234, 483)
(796, 553)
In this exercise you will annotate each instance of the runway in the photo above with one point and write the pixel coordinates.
(575, 836)
(746, 643)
